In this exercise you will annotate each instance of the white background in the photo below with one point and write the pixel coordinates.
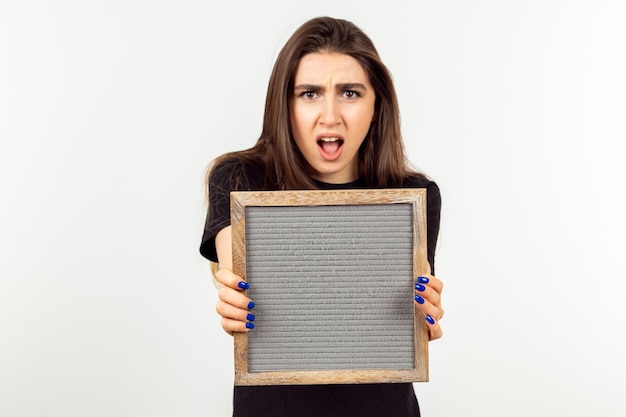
(110, 111)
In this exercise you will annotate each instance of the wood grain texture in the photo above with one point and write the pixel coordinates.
(418, 371)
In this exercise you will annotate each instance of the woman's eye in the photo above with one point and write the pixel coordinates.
(308, 94)
(351, 94)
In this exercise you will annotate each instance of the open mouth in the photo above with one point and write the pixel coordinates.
(330, 147)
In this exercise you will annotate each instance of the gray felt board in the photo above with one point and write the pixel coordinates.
(317, 275)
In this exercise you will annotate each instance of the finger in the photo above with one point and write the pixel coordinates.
(231, 312)
(235, 298)
(431, 281)
(231, 326)
(228, 278)
(434, 331)
(427, 294)
(428, 309)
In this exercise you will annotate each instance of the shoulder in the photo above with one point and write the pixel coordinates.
(237, 173)
(420, 181)
(226, 166)
(417, 181)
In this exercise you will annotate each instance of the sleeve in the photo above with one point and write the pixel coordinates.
(433, 208)
(221, 182)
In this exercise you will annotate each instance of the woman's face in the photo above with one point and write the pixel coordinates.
(331, 110)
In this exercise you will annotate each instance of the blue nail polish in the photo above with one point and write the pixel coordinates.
(430, 320)
(249, 326)
(250, 305)
(243, 285)
(419, 299)
(423, 280)
(420, 287)
(250, 317)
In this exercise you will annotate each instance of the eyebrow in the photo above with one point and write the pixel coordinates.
(341, 86)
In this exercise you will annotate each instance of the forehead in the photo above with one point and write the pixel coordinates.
(318, 67)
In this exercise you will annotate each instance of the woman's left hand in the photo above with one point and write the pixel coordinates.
(428, 290)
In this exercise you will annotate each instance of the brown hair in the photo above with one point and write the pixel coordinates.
(382, 160)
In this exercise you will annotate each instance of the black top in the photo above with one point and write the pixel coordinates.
(362, 400)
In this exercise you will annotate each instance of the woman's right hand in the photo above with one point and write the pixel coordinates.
(233, 305)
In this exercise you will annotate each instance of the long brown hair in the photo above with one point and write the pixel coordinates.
(382, 160)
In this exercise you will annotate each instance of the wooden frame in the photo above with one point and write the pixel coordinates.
(243, 205)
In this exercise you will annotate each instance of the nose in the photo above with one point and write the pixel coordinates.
(330, 114)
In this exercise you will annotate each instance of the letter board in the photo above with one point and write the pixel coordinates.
(331, 273)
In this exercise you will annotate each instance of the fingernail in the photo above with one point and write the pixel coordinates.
(243, 285)
(420, 287)
(250, 305)
(423, 280)
(430, 320)
(250, 317)
(249, 326)
(419, 299)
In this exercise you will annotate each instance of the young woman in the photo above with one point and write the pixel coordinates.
(331, 122)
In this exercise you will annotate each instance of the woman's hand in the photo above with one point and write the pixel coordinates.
(233, 305)
(428, 290)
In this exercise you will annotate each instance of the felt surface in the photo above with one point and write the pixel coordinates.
(332, 287)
